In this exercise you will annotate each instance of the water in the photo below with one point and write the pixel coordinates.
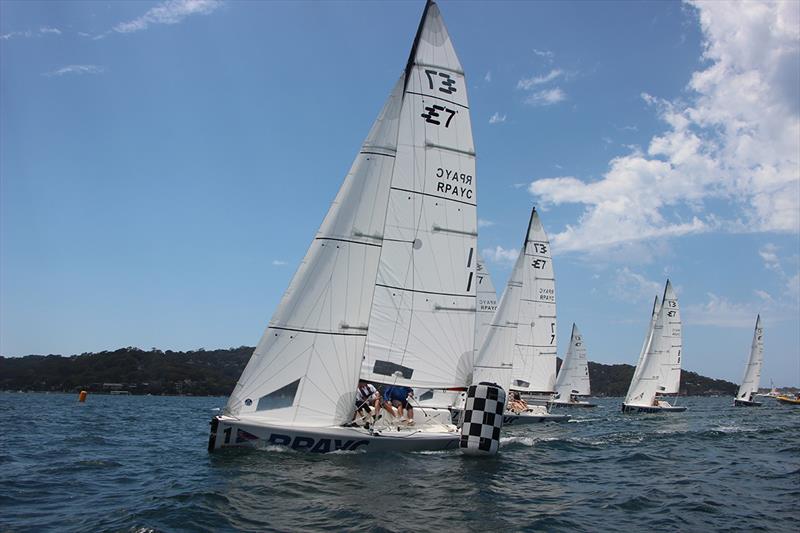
(128, 463)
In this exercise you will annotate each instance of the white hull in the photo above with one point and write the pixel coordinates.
(572, 404)
(524, 418)
(231, 432)
(663, 407)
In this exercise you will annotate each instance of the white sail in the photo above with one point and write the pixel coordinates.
(646, 344)
(306, 365)
(752, 373)
(573, 377)
(665, 338)
(535, 350)
(422, 324)
(486, 302)
(495, 358)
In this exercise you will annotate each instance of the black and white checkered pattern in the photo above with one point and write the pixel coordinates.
(483, 419)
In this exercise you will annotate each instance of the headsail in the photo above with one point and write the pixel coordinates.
(573, 377)
(486, 303)
(535, 350)
(646, 344)
(495, 358)
(752, 373)
(422, 323)
(306, 365)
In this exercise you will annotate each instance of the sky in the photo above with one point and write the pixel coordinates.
(165, 165)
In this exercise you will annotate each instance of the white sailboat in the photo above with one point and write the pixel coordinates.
(386, 291)
(572, 381)
(752, 372)
(519, 327)
(654, 374)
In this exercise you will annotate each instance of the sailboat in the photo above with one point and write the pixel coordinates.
(386, 291)
(655, 373)
(572, 381)
(520, 332)
(752, 372)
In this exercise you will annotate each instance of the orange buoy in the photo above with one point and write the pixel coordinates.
(82, 396)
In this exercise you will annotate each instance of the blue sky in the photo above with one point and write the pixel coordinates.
(164, 165)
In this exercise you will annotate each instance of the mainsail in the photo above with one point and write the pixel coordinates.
(752, 373)
(306, 366)
(422, 323)
(573, 377)
(535, 349)
(664, 340)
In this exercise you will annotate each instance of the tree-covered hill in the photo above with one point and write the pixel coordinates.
(214, 372)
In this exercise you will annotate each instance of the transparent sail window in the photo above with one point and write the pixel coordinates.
(283, 397)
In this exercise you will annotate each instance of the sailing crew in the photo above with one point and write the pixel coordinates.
(367, 397)
(396, 396)
(517, 404)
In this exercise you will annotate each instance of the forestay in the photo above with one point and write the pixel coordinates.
(422, 325)
(752, 373)
(535, 350)
(573, 377)
(305, 368)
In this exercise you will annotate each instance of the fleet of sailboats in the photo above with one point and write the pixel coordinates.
(393, 291)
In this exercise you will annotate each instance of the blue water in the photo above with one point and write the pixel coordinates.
(140, 464)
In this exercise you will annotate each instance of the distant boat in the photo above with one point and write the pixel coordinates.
(386, 291)
(517, 350)
(659, 364)
(773, 391)
(752, 372)
(572, 381)
(120, 393)
(789, 399)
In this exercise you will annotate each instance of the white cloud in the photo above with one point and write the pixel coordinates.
(498, 254)
(547, 54)
(733, 140)
(278, 262)
(631, 287)
(719, 311)
(497, 118)
(483, 223)
(488, 77)
(769, 253)
(75, 69)
(169, 12)
(529, 83)
(546, 97)
(27, 34)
